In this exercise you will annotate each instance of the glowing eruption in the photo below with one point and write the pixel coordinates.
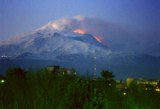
(98, 38)
(80, 31)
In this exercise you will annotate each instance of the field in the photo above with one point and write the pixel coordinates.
(40, 89)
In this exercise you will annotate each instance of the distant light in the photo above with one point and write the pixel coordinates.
(146, 88)
(2, 81)
(124, 93)
(157, 89)
(110, 84)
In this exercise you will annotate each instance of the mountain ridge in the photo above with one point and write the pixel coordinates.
(76, 49)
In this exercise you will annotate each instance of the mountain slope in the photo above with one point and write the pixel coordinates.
(39, 43)
(51, 45)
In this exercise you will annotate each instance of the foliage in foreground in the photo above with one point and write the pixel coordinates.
(43, 90)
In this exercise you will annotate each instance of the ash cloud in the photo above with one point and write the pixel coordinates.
(118, 36)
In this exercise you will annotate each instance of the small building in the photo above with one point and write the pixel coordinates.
(61, 70)
(54, 68)
(121, 86)
(157, 88)
(129, 81)
(71, 71)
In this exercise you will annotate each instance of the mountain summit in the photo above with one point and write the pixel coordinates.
(65, 45)
(52, 42)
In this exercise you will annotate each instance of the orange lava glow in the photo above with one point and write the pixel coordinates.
(98, 38)
(80, 31)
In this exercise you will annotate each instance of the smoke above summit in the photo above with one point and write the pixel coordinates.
(118, 36)
(74, 42)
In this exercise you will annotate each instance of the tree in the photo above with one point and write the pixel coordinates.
(108, 77)
(15, 73)
(16, 77)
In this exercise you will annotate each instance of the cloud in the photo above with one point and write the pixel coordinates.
(119, 36)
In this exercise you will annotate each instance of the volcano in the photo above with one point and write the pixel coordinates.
(55, 44)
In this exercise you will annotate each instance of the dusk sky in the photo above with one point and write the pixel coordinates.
(135, 21)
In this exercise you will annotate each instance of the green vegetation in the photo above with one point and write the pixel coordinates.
(44, 90)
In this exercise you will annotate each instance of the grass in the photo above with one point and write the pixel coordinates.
(43, 90)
